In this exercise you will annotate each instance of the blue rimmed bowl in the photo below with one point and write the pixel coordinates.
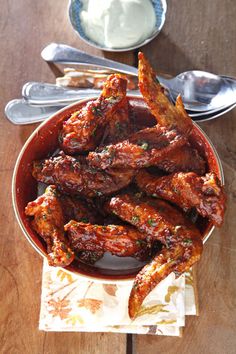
(75, 7)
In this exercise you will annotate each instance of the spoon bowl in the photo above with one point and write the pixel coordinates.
(202, 91)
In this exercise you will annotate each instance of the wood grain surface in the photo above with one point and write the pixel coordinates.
(198, 34)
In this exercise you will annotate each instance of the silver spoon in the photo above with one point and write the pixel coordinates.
(20, 112)
(200, 90)
(44, 94)
(40, 93)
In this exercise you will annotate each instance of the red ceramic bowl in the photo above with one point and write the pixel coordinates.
(44, 141)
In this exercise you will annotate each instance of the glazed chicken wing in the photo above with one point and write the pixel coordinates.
(79, 210)
(85, 128)
(167, 115)
(123, 241)
(154, 217)
(118, 127)
(177, 258)
(159, 220)
(75, 177)
(48, 222)
(188, 190)
(184, 159)
(147, 147)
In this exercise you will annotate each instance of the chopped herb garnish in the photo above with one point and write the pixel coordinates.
(187, 241)
(112, 154)
(135, 219)
(118, 125)
(68, 255)
(152, 222)
(112, 227)
(97, 111)
(144, 146)
(105, 149)
(73, 223)
(176, 190)
(54, 192)
(60, 139)
(94, 131)
(111, 99)
(140, 243)
(85, 220)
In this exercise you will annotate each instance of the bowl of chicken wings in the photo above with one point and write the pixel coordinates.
(119, 187)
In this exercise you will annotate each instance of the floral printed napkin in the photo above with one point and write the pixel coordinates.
(72, 303)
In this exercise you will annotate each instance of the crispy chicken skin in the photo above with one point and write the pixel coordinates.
(89, 257)
(82, 211)
(84, 129)
(154, 217)
(48, 222)
(79, 210)
(74, 176)
(122, 241)
(167, 115)
(188, 190)
(184, 159)
(147, 147)
(159, 220)
(118, 126)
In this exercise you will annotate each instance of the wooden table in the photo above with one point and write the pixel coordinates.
(198, 34)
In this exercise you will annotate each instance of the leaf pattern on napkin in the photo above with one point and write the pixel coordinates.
(170, 291)
(59, 308)
(74, 320)
(150, 310)
(48, 279)
(110, 289)
(189, 278)
(64, 275)
(93, 305)
(69, 303)
(166, 322)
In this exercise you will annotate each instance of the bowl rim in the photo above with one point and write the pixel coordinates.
(109, 49)
(99, 279)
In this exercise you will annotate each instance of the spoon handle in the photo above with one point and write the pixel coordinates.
(19, 112)
(64, 54)
(40, 93)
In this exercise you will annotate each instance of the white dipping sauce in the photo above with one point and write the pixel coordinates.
(117, 23)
